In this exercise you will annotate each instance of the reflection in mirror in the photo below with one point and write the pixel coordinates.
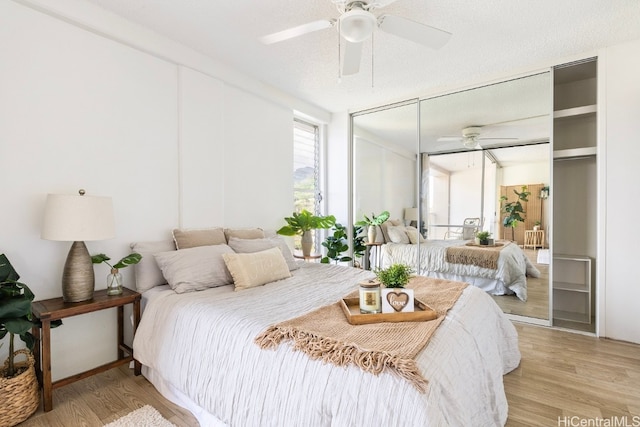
(476, 146)
(471, 183)
(385, 143)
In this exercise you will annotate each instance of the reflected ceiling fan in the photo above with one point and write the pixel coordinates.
(357, 23)
(470, 137)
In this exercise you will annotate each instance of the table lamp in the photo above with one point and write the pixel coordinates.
(72, 218)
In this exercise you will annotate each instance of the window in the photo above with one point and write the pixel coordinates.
(306, 167)
(306, 172)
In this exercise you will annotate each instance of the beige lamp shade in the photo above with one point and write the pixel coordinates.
(72, 218)
(411, 214)
(75, 219)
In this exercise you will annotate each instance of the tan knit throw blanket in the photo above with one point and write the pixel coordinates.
(481, 256)
(325, 334)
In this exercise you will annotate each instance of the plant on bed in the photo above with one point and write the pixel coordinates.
(336, 245)
(483, 237)
(303, 224)
(372, 223)
(394, 276)
(114, 279)
(514, 209)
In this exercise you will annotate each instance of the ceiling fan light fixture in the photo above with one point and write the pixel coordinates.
(357, 25)
(470, 142)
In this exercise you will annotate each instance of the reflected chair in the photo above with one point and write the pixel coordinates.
(470, 226)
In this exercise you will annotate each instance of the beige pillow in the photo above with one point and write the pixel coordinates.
(397, 234)
(413, 234)
(195, 269)
(388, 223)
(186, 239)
(244, 233)
(243, 246)
(147, 272)
(257, 268)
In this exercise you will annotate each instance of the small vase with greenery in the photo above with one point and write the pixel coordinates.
(395, 298)
(114, 279)
(394, 276)
(372, 224)
(336, 245)
(303, 224)
(483, 237)
(514, 210)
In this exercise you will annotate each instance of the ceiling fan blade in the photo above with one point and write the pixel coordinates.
(414, 31)
(352, 56)
(296, 31)
(449, 138)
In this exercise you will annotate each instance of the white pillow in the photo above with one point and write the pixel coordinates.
(257, 268)
(243, 246)
(397, 234)
(414, 235)
(195, 269)
(147, 272)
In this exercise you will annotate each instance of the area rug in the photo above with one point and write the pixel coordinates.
(147, 416)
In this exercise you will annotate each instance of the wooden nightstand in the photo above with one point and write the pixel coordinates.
(309, 258)
(55, 309)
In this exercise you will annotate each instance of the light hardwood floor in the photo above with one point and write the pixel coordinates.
(561, 375)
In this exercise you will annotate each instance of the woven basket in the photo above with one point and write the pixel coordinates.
(19, 396)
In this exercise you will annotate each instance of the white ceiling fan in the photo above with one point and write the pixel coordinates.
(357, 23)
(470, 137)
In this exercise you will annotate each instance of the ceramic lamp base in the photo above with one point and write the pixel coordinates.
(78, 281)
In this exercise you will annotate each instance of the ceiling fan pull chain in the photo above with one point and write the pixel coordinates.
(339, 56)
(372, 61)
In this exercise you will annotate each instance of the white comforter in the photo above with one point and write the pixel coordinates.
(202, 343)
(511, 274)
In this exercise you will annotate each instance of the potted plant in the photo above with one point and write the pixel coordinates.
(358, 245)
(483, 237)
(18, 382)
(114, 279)
(395, 298)
(514, 210)
(303, 224)
(536, 225)
(336, 245)
(372, 224)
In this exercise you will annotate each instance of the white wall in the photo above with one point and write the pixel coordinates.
(171, 145)
(619, 68)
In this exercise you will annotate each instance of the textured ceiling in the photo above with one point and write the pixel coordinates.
(490, 37)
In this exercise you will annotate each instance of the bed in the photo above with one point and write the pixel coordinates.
(508, 278)
(198, 350)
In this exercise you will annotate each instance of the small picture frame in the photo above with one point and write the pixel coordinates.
(397, 300)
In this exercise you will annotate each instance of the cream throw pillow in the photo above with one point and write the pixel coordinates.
(186, 239)
(195, 269)
(257, 268)
(414, 235)
(397, 234)
(243, 246)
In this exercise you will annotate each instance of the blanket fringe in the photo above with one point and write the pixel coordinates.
(342, 354)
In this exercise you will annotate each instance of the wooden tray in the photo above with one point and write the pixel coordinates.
(484, 246)
(351, 308)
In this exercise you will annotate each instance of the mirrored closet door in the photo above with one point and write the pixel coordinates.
(451, 158)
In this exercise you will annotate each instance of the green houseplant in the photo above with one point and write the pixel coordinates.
(358, 245)
(18, 383)
(336, 244)
(483, 237)
(372, 223)
(514, 210)
(394, 276)
(303, 224)
(114, 279)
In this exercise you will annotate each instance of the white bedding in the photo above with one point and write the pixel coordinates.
(200, 346)
(509, 278)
